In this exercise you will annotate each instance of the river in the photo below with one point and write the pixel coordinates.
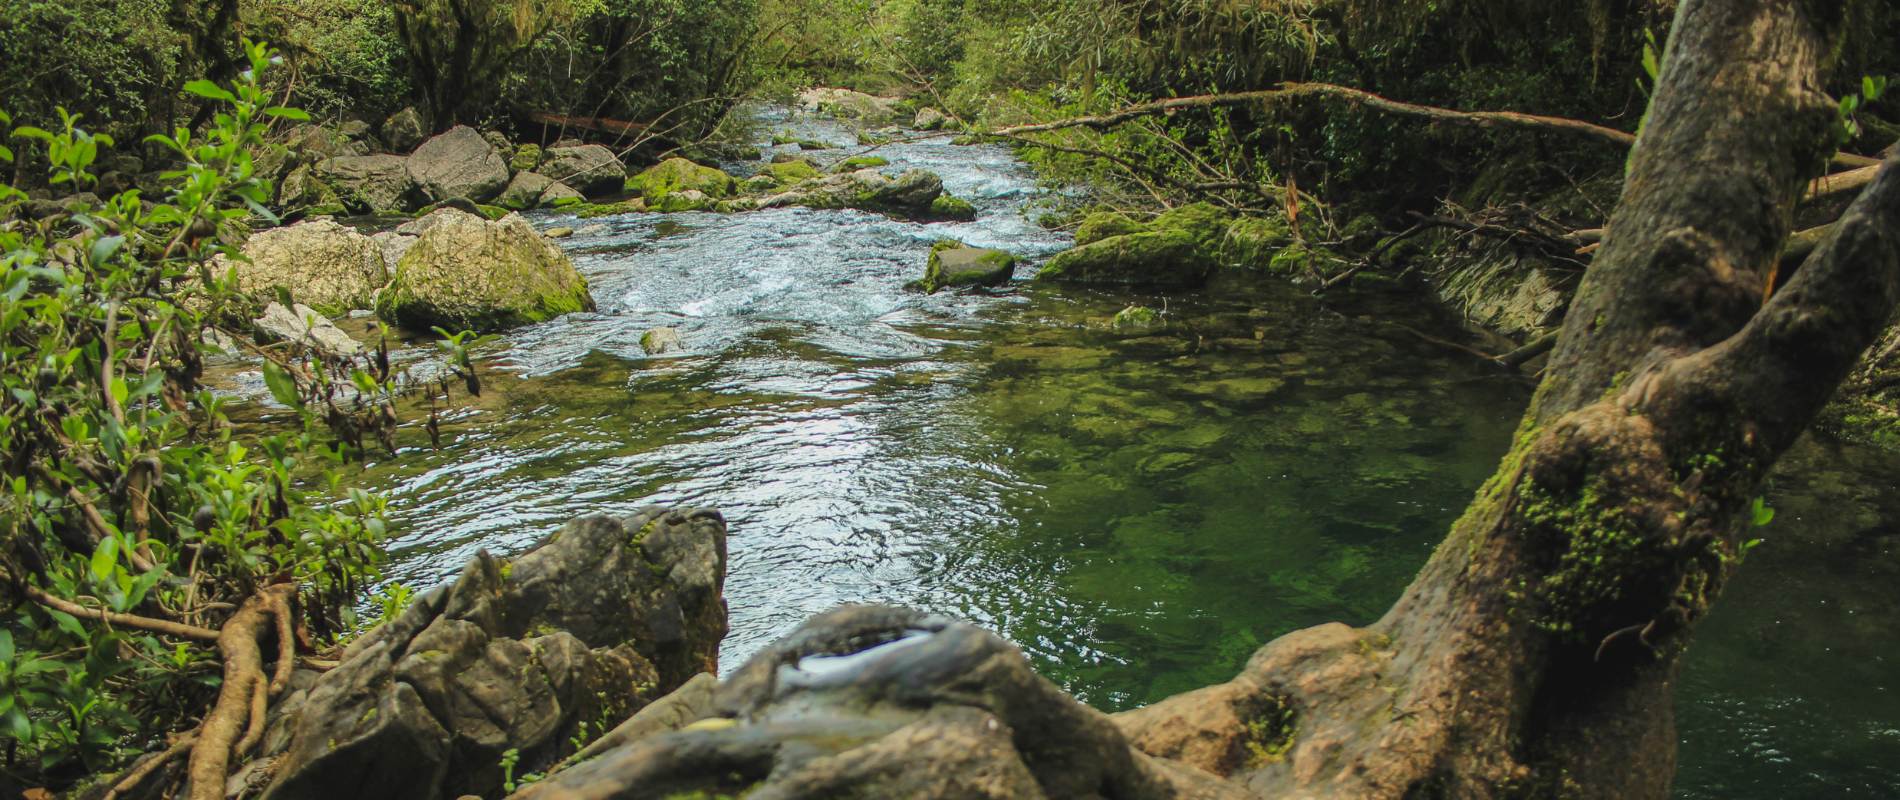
(1139, 510)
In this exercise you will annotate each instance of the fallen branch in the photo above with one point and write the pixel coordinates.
(1292, 89)
(167, 627)
(244, 682)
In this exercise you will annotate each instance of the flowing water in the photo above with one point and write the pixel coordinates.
(1139, 510)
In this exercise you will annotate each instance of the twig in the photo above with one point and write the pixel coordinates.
(133, 777)
(178, 629)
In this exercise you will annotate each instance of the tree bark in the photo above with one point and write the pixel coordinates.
(1536, 651)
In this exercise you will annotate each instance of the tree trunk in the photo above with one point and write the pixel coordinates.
(1535, 652)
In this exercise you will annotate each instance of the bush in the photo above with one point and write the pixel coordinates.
(132, 520)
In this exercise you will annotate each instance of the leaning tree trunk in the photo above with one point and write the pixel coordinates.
(1536, 651)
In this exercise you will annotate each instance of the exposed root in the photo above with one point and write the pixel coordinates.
(242, 698)
(137, 775)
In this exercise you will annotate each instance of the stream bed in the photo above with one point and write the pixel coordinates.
(1138, 509)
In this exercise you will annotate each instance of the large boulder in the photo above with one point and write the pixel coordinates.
(602, 618)
(849, 104)
(301, 191)
(369, 184)
(313, 142)
(929, 119)
(954, 264)
(591, 169)
(1157, 258)
(680, 175)
(326, 266)
(869, 701)
(915, 194)
(465, 272)
(404, 130)
(459, 163)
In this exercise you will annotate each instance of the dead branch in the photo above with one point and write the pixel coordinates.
(1292, 90)
(244, 683)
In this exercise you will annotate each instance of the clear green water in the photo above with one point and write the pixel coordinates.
(1138, 509)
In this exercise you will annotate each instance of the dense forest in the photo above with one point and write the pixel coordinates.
(300, 294)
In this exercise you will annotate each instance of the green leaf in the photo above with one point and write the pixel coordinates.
(6, 646)
(1762, 513)
(104, 247)
(19, 726)
(281, 112)
(209, 91)
(105, 558)
(282, 386)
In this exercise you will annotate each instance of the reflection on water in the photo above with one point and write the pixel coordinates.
(1138, 509)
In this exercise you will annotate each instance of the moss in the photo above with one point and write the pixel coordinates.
(948, 206)
(783, 138)
(526, 158)
(1293, 259)
(1206, 223)
(1252, 242)
(591, 210)
(1137, 317)
(791, 171)
(1158, 258)
(855, 163)
(1106, 224)
(678, 175)
(951, 264)
(1270, 733)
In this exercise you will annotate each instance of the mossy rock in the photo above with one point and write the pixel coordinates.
(954, 265)
(1206, 223)
(593, 210)
(1253, 241)
(684, 201)
(1105, 224)
(949, 206)
(1137, 317)
(789, 172)
(525, 158)
(680, 175)
(465, 205)
(782, 139)
(856, 163)
(1152, 258)
(468, 273)
(1293, 259)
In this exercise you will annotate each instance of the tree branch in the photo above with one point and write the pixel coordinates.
(168, 628)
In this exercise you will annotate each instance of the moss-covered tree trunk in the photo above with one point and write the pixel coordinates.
(1536, 651)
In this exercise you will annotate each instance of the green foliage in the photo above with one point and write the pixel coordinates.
(126, 490)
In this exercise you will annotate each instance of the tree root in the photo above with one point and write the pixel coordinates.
(244, 696)
(137, 775)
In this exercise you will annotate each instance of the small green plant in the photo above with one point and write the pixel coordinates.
(1871, 89)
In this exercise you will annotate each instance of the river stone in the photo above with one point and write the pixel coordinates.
(403, 130)
(524, 191)
(906, 705)
(527, 156)
(303, 325)
(393, 244)
(929, 119)
(791, 171)
(591, 169)
(600, 619)
(459, 163)
(465, 272)
(369, 184)
(1104, 224)
(313, 142)
(953, 264)
(322, 264)
(678, 175)
(558, 232)
(300, 191)
(869, 109)
(661, 341)
(1159, 258)
(909, 195)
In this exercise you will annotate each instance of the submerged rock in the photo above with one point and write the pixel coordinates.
(459, 163)
(1178, 248)
(465, 272)
(304, 326)
(321, 264)
(912, 195)
(954, 264)
(1137, 317)
(605, 616)
(661, 341)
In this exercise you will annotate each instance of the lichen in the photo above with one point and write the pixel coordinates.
(1270, 733)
